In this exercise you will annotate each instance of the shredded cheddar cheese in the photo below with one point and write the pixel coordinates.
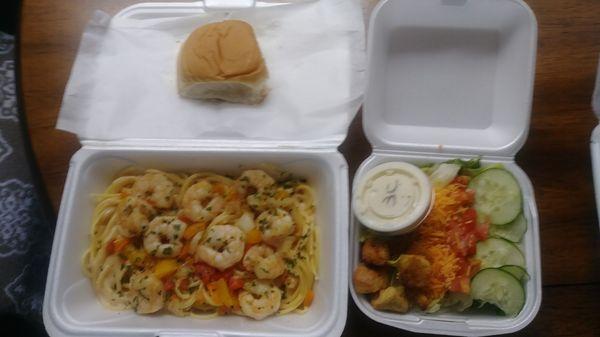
(449, 206)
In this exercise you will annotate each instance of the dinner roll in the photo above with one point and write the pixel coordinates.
(222, 61)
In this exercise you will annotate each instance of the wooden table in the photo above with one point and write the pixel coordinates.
(556, 155)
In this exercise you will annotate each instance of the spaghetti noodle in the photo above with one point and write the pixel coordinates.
(204, 244)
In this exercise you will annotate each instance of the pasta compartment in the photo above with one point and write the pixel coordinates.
(72, 308)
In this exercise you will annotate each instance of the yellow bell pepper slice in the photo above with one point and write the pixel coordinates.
(165, 268)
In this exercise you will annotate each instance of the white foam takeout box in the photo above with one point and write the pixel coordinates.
(71, 307)
(595, 141)
(447, 79)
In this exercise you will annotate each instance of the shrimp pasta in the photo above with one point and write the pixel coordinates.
(204, 244)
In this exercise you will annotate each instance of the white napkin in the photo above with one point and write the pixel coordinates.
(123, 82)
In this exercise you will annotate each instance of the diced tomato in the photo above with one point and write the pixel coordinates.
(470, 195)
(247, 247)
(461, 284)
(219, 189)
(185, 219)
(462, 280)
(120, 244)
(184, 251)
(184, 284)
(225, 274)
(467, 244)
(235, 283)
(461, 180)
(117, 245)
(233, 195)
(465, 197)
(168, 284)
(482, 231)
(209, 274)
(110, 248)
(469, 219)
(205, 272)
(464, 234)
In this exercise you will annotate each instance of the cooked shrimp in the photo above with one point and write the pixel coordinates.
(222, 246)
(291, 281)
(264, 262)
(275, 225)
(246, 222)
(259, 299)
(156, 188)
(258, 179)
(134, 215)
(260, 202)
(375, 252)
(146, 292)
(201, 203)
(367, 280)
(163, 237)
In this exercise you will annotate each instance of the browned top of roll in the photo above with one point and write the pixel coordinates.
(219, 51)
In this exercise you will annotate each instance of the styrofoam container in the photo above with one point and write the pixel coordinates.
(447, 79)
(70, 305)
(595, 141)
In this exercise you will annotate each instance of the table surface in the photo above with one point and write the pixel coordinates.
(556, 156)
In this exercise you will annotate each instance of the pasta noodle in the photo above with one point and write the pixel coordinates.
(204, 244)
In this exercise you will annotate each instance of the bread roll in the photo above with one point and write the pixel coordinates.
(222, 61)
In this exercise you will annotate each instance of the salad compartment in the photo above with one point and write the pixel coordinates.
(453, 323)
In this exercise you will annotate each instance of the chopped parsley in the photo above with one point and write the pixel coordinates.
(291, 263)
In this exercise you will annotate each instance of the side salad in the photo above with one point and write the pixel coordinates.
(463, 256)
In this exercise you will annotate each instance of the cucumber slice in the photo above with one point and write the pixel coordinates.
(516, 271)
(513, 231)
(497, 196)
(495, 253)
(500, 288)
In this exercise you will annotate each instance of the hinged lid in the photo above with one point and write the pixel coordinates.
(596, 95)
(122, 88)
(595, 141)
(450, 76)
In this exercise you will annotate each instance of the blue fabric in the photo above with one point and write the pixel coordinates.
(25, 230)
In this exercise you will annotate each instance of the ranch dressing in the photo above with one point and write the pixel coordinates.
(393, 198)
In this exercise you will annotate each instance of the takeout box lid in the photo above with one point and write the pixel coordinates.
(450, 76)
(305, 132)
(596, 94)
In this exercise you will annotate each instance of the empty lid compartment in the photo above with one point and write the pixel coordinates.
(596, 94)
(452, 76)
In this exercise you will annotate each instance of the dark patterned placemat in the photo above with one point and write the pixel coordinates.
(25, 231)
